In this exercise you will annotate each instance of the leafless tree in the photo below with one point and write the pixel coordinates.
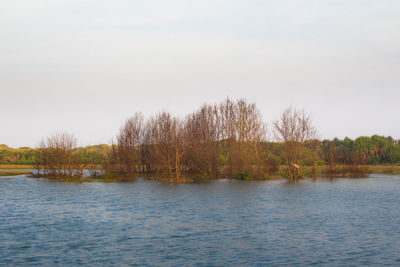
(293, 129)
(202, 134)
(165, 139)
(242, 130)
(130, 140)
(57, 155)
(250, 131)
(111, 166)
(228, 115)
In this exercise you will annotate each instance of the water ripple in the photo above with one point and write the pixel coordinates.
(223, 222)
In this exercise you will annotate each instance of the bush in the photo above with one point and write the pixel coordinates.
(244, 176)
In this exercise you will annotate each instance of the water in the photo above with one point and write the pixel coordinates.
(223, 222)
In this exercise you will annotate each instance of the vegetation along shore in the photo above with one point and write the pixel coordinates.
(228, 140)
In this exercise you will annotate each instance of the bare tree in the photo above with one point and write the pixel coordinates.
(179, 146)
(165, 139)
(293, 129)
(112, 164)
(130, 140)
(250, 131)
(331, 154)
(242, 130)
(57, 155)
(202, 134)
(228, 115)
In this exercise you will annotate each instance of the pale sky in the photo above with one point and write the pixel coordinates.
(84, 66)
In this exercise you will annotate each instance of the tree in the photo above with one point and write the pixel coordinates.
(165, 139)
(331, 150)
(130, 140)
(227, 110)
(57, 155)
(202, 134)
(250, 131)
(293, 129)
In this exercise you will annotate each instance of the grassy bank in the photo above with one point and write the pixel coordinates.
(107, 179)
(309, 171)
(15, 166)
(385, 169)
(320, 171)
(99, 179)
(13, 173)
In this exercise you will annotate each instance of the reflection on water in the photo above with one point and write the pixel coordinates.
(223, 222)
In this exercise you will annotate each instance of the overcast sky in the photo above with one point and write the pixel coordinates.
(84, 66)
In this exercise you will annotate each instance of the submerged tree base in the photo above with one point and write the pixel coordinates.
(340, 171)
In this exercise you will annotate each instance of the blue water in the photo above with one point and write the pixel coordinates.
(223, 222)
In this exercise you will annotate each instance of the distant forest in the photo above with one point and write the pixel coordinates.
(228, 139)
(373, 150)
(29, 156)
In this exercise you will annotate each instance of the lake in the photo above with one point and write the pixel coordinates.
(221, 222)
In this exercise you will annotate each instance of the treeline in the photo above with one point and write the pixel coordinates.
(227, 139)
(28, 156)
(372, 150)
(20, 156)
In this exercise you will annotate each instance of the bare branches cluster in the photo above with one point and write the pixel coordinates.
(293, 129)
(56, 156)
(217, 139)
(227, 139)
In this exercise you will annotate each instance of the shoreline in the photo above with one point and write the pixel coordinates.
(13, 170)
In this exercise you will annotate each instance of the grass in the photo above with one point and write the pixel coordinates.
(385, 169)
(108, 179)
(368, 169)
(13, 173)
(308, 172)
(71, 179)
(28, 167)
(14, 166)
(100, 179)
(347, 171)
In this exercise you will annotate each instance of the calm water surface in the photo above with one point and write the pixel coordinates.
(223, 222)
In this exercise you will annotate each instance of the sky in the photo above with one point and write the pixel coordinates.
(85, 66)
